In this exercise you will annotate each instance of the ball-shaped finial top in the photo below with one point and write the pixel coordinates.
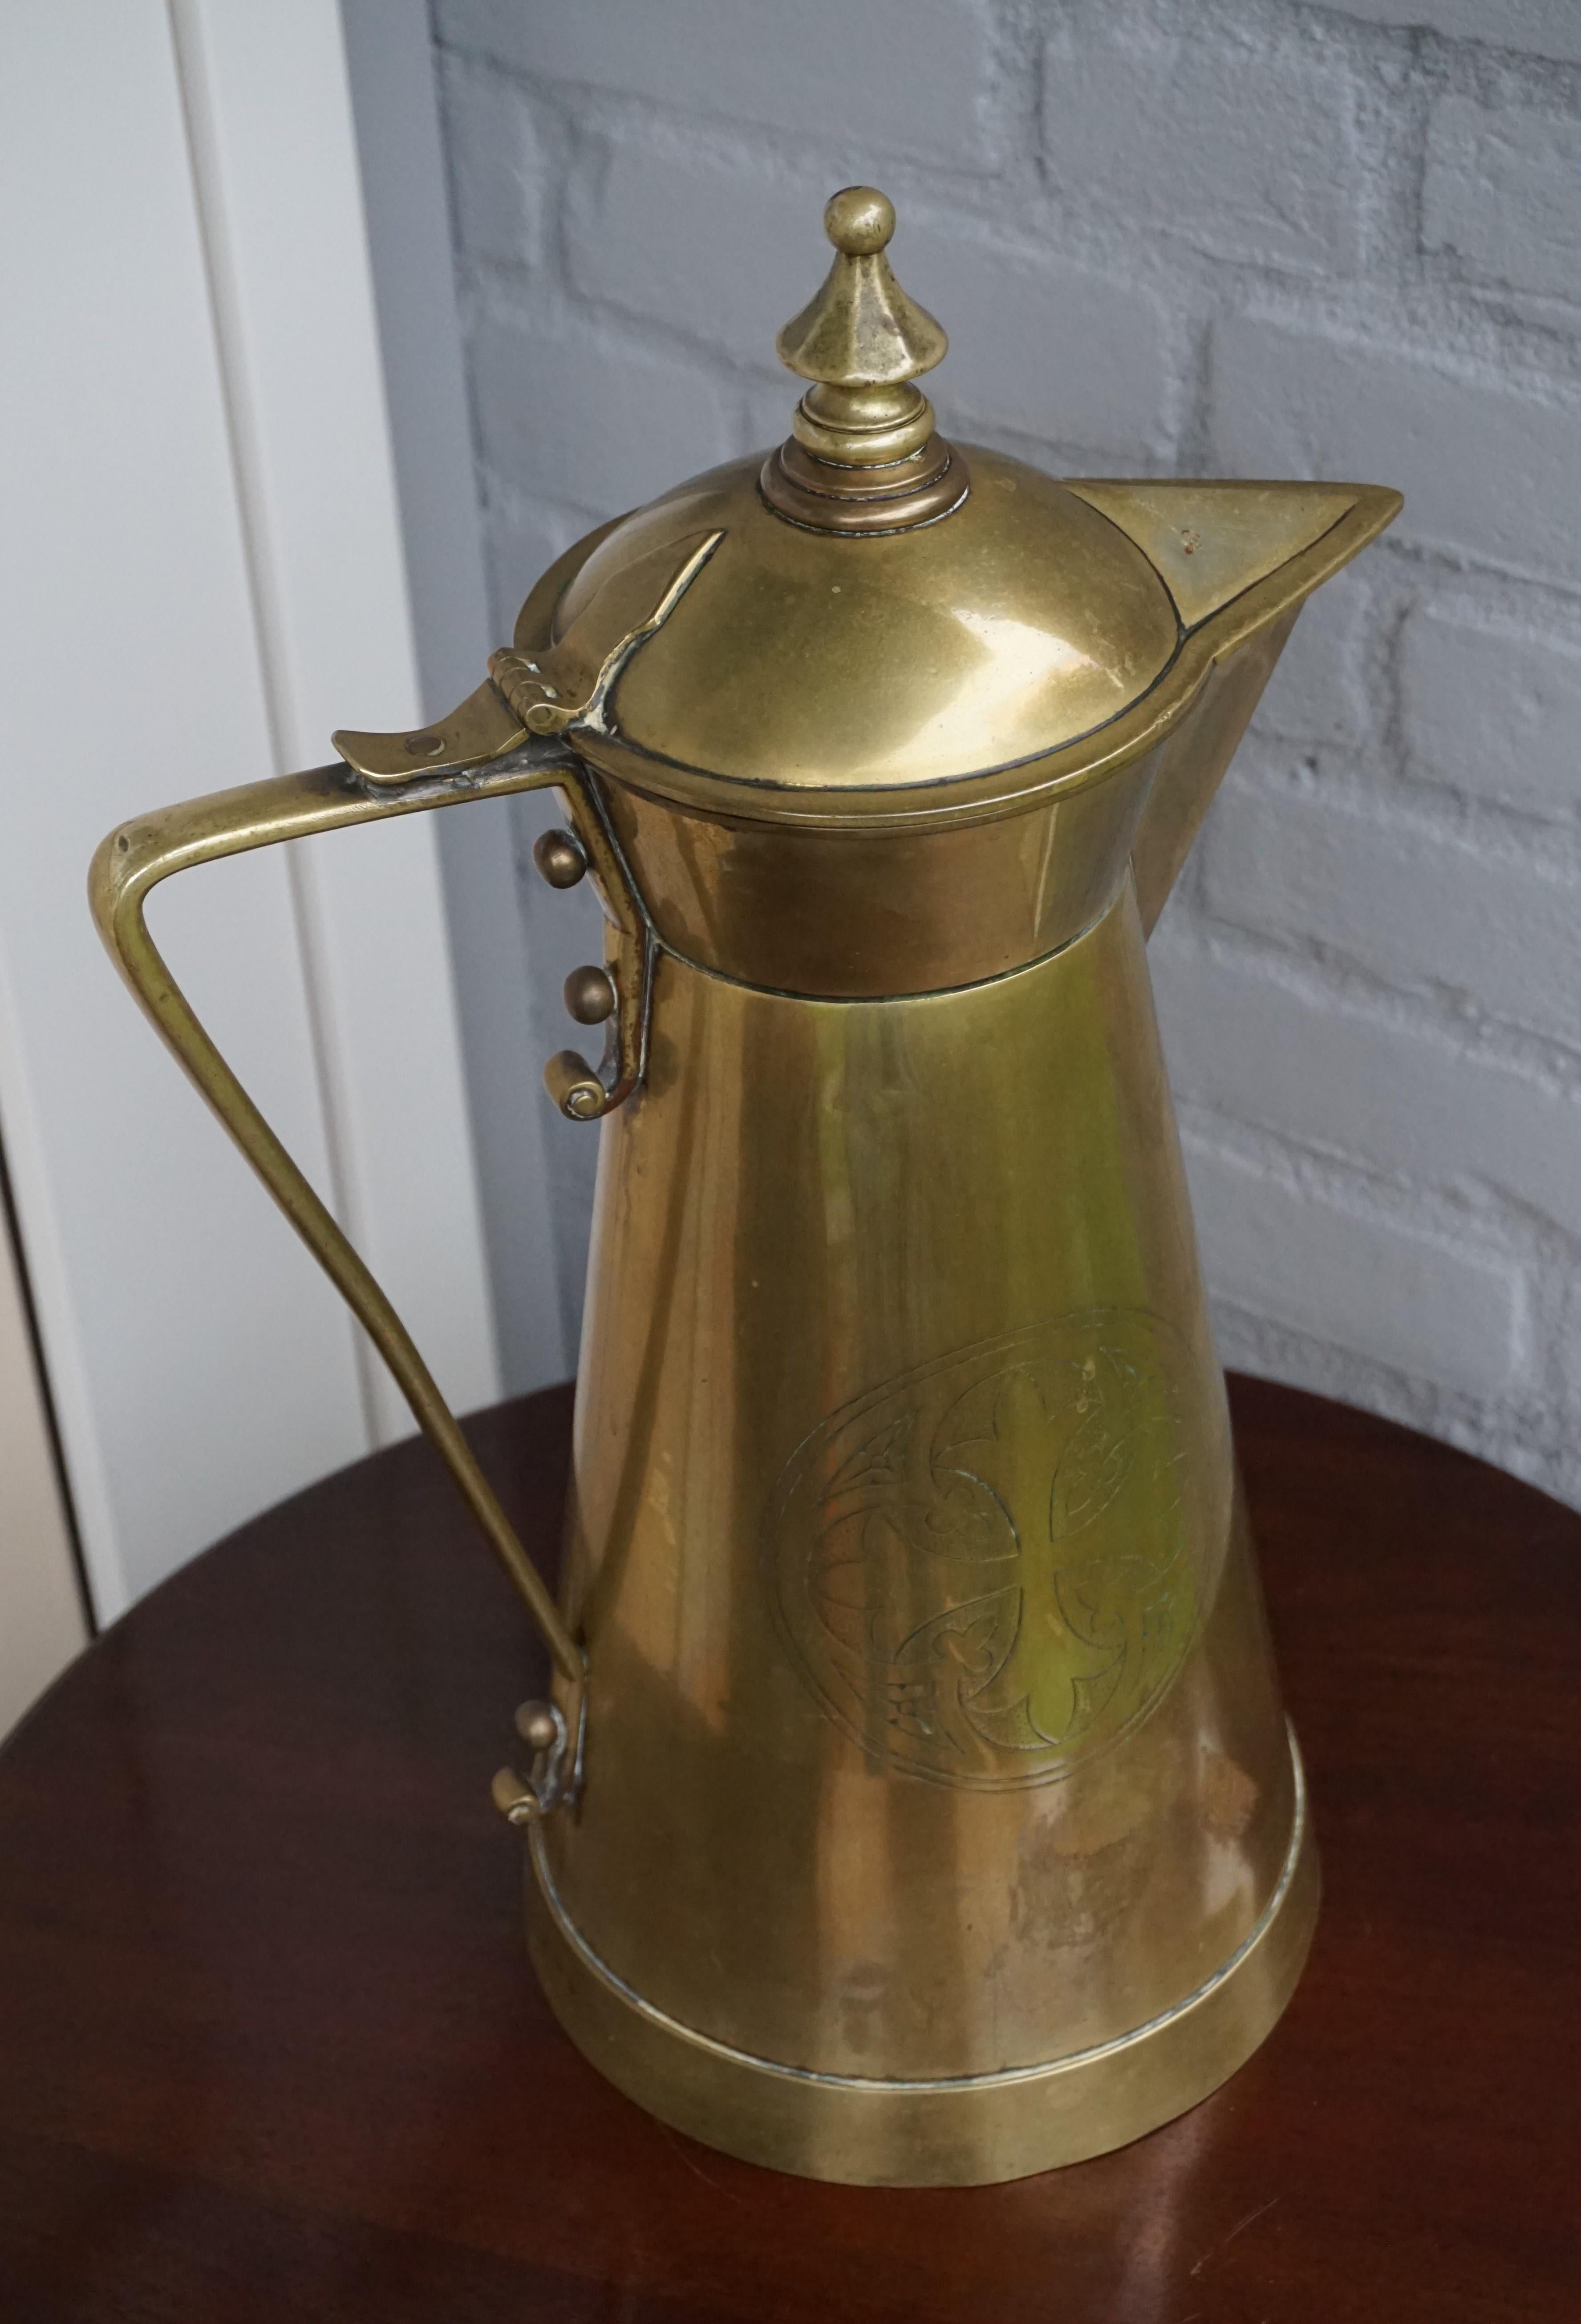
(859, 220)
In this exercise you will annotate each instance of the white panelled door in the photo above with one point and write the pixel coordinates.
(41, 1610)
(203, 573)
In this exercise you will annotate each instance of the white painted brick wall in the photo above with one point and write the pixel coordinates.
(1491, 709)
(1493, 936)
(1193, 236)
(1288, 1249)
(1537, 28)
(1498, 194)
(1477, 455)
(784, 68)
(1241, 149)
(574, 414)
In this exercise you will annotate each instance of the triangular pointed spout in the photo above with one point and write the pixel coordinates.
(1193, 762)
(1239, 561)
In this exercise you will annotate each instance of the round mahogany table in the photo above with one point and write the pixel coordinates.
(270, 2046)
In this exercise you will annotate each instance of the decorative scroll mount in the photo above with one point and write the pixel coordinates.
(543, 697)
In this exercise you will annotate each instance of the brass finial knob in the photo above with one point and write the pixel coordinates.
(860, 330)
(864, 456)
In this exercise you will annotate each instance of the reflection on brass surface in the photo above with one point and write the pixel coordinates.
(844, 916)
(913, 1803)
(589, 995)
(871, 1205)
(853, 667)
(560, 858)
(841, 913)
(898, 2132)
(1025, 649)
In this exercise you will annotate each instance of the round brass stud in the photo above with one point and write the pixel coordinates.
(537, 1726)
(589, 995)
(560, 858)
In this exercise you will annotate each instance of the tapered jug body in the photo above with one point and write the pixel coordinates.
(933, 1736)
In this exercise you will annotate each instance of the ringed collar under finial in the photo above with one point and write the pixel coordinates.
(864, 456)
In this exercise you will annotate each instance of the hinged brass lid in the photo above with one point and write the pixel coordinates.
(886, 626)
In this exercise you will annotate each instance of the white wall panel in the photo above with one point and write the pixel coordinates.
(269, 109)
(391, 60)
(203, 575)
(199, 1370)
(42, 1624)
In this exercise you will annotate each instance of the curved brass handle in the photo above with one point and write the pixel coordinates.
(131, 861)
(504, 737)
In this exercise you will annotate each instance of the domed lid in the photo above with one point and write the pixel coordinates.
(875, 624)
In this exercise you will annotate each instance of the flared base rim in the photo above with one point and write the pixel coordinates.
(968, 2130)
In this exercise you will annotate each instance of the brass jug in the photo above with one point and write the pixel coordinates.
(914, 1804)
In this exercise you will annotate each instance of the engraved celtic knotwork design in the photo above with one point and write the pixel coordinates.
(987, 1569)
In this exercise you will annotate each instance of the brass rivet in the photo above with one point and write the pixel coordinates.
(423, 746)
(589, 995)
(560, 858)
(537, 1726)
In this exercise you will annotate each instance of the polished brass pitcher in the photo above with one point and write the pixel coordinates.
(914, 1804)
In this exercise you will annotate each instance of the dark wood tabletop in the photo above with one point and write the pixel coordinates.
(270, 2047)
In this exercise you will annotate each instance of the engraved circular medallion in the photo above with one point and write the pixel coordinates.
(986, 1569)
